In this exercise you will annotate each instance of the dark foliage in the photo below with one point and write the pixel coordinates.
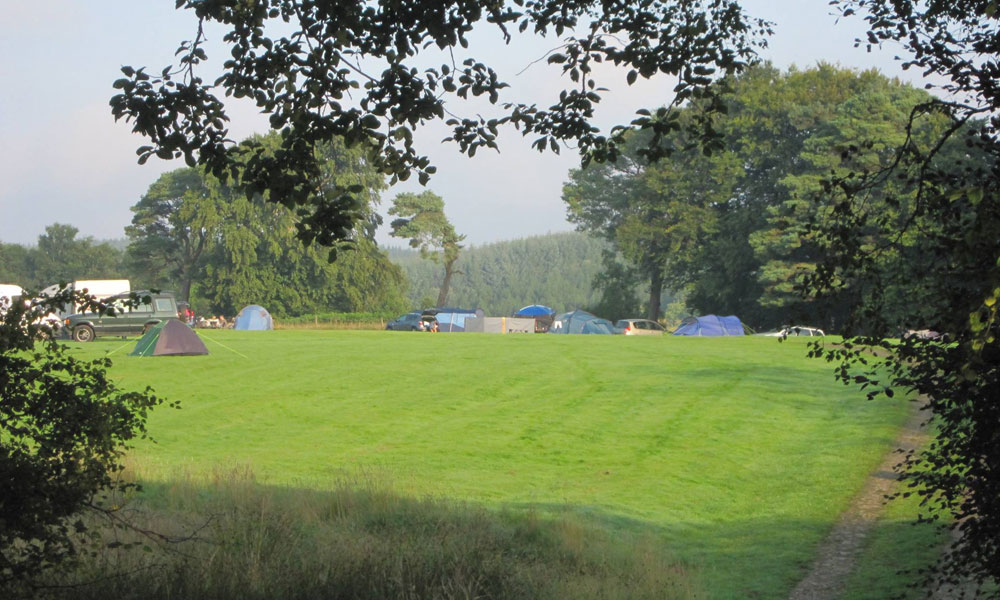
(64, 428)
(952, 240)
(314, 87)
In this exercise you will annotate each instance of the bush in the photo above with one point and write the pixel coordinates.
(64, 428)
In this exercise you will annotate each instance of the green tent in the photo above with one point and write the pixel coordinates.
(169, 338)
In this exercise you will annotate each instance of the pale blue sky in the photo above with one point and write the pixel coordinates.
(64, 159)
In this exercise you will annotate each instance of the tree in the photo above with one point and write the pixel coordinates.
(61, 256)
(15, 264)
(64, 429)
(656, 214)
(731, 229)
(173, 228)
(193, 231)
(422, 220)
(307, 80)
(951, 238)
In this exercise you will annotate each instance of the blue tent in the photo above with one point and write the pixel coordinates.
(581, 321)
(711, 326)
(535, 310)
(254, 318)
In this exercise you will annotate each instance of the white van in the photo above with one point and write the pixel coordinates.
(99, 288)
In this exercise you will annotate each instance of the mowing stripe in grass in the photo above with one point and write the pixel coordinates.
(737, 454)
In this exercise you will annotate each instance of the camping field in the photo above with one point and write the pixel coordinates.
(735, 456)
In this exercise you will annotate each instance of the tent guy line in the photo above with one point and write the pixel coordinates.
(225, 346)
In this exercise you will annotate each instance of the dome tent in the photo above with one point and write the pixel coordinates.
(254, 318)
(581, 321)
(711, 326)
(169, 337)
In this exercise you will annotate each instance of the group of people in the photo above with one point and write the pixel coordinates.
(186, 315)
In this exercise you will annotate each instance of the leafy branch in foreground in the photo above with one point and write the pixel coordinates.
(950, 240)
(350, 70)
(64, 429)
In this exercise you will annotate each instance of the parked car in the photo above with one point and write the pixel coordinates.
(794, 330)
(639, 327)
(409, 322)
(127, 320)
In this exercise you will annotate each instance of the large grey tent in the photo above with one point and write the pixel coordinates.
(581, 321)
(169, 338)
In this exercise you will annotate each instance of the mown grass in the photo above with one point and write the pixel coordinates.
(735, 455)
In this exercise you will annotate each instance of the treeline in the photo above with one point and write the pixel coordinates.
(60, 255)
(739, 230)
(557, 270)
(192, 234)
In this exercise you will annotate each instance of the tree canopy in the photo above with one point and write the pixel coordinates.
(731, 229)
(556, 270)
(358, 72)
(64, 430)
(59, 256)
(947, 186)
(224, 251)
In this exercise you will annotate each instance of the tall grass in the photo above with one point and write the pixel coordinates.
(360, 541)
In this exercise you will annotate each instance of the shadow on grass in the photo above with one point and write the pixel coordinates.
(249, 540)
(240, 539)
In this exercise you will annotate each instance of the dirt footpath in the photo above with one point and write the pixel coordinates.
(838, 554)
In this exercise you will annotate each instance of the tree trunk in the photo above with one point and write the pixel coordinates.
(449, 270)
(186, 289)
(655, 290)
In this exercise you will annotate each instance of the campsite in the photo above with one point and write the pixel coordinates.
(478, 300)
(729, 457)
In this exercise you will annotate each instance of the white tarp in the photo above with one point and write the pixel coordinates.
(500, 325)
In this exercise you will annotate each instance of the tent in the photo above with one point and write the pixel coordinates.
(451, 319)
(543, 316)
(254, 318)
(535, 310)
(711, 326)
(580, 321)
(169, 337)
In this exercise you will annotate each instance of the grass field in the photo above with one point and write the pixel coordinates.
(736, 455)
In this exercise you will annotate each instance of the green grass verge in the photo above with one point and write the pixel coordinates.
(736, 455)
(896, 549)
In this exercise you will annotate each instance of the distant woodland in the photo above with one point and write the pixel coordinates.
(557, 270)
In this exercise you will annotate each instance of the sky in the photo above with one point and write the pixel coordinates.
(64, 158)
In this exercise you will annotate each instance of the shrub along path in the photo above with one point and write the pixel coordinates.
(837, 556)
